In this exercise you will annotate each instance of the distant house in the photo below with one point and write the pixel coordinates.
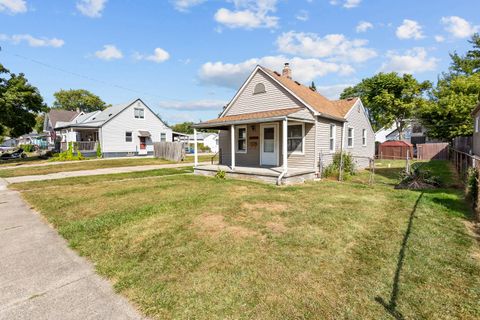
(279, 130)
(208, 139)
(413, 133)
(121, 130)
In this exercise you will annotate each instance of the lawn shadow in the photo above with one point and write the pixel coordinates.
(391, 305)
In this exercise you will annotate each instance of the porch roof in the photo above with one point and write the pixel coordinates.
(254, 117)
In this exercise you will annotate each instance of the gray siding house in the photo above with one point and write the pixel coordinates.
(476, 131)
(281, 131)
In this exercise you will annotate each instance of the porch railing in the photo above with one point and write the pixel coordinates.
(80, 146)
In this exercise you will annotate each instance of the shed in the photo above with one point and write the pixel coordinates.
(395, 150)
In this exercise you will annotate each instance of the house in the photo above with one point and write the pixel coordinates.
(279, 130)
(121, 130)
(54, 117)
(414, 133)
(207, 141)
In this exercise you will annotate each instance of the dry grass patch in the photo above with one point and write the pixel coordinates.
(214, 225)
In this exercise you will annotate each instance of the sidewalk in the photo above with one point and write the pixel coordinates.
(42, 278)
(82, 173)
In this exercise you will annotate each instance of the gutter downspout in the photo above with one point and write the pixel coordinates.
(284, 151)
(342, 146)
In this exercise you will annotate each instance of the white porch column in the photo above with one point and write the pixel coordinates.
(195, 151)
(284, 144)
(232, 145)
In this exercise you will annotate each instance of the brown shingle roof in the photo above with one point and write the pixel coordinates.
(321, 104)
(56, 115)
(253, 115)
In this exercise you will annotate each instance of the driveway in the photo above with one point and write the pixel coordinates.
(41, 278)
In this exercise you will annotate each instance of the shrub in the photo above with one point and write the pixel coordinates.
(221, 175)
(68, 155)
(27, 147)
(334, 168)
(99, 150)
(472, 186)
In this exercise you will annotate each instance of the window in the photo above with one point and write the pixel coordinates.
(350, 137)
(333, 130)
(139, 113)
(295, 135)
(477, 123)
(163, 136)
(128, 136)
(364, 137)
(259, 88)
(242, 139)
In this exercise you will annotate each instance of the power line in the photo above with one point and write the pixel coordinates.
(46, 65)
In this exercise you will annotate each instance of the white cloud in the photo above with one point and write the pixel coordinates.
(109, 52)
(13, 6)
(33, 41)
(333, 92)
(91, 8)
(346, 3)
(413, 61)
(410, 29)
(193, 105)
(439, 38)
(232, 75)
(248, 14)
(336, 47)
(302, 15)
(363, 26)
(159, 55)
(185, 5)
(459, 27)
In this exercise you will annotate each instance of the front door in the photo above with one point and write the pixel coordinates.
(143, 145)
(269, 144)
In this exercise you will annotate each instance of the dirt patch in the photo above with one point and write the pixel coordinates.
(214, 225)
(276, 226)
(268, 206)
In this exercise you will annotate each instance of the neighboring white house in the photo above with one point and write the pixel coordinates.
(413, 133)
(208, 139)
(121, 130)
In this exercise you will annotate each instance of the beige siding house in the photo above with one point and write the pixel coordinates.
(280, 131)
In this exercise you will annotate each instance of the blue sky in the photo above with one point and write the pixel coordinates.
(186, 58)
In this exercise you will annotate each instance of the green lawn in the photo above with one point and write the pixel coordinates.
(88, 165)
(193, 247)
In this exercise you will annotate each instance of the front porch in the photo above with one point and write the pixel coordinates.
(84, 140)
(276, 146)
(265, 174)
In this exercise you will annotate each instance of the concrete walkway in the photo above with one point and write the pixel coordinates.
(94, 172)
(41, 278)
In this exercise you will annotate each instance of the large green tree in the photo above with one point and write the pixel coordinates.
(390, 98)
(184, 127)
(78, 99)
(20, 103)
(469, 63)
(456, 94)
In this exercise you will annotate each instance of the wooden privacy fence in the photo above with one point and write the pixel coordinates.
(172, 151)
(432, 151)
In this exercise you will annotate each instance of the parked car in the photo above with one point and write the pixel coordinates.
(17, 154)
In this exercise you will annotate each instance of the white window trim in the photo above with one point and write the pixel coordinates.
(164, 134)
(353, 137)
(237, 136)
(303, 138)
(477, 120)
(131, 136)
(364, 137)
(334, 137)
(138, 108)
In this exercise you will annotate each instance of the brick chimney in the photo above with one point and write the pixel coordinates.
(287, 72)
